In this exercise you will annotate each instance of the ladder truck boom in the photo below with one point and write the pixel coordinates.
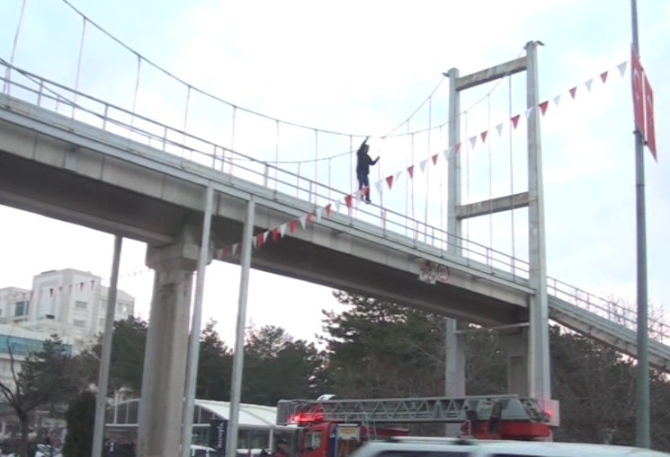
(413, 410)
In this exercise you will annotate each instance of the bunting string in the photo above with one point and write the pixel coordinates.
(303, 221)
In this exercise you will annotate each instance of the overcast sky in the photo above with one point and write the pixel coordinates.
(362, 68)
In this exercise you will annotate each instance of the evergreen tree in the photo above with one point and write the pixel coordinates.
(80, 417)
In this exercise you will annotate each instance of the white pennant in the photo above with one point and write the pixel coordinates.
(318, 213)
(622, 67)
(397, 176)
(588, 84)
(446, 154)
(282, 230)
(264, 236)
(337, 206)
(253, 242)
(528, 111)
(499, 128)
(423, 165)
(557, 99)
(379, 185)
(303, 221)
(235, 248)
(473, 141)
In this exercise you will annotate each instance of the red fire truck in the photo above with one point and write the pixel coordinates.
(330, 427)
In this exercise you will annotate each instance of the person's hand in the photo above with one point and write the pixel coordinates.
(377, 157)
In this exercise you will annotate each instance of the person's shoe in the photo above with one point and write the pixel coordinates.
(368, 201)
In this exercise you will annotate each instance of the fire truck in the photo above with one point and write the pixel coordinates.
(329, 427)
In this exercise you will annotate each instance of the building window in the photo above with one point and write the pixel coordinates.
(80, 304)
(79, 323)
(21, 308)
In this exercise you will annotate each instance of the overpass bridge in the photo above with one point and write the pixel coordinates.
(109, 169)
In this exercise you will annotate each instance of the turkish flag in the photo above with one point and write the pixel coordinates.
(650, 130)
(638, 92)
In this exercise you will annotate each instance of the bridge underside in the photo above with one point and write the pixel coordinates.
(70, 197)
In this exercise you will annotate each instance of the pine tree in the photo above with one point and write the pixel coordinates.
(80, 417)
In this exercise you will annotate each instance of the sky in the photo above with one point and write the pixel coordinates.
(362, 68)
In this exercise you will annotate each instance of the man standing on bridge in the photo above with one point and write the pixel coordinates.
(363, 163)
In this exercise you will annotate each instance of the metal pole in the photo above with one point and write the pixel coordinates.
(539, 372)
(238, 356)
(454, 364)
(103, 374)
(196, 323)
(643, 434)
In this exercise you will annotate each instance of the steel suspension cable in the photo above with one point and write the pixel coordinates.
(79, 60)
(14, 46)
(511, 172)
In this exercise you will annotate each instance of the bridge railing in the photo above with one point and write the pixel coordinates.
(418, 234)
(610, 309)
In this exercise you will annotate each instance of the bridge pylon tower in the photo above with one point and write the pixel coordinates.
(528, 343)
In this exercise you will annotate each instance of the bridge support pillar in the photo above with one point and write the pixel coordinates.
(454, 376)
(165, 357)
(516, 346)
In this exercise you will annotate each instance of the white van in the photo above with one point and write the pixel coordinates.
(451, 447)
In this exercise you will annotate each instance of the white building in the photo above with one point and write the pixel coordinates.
(71, 303)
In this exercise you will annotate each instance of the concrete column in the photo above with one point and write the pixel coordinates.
(167, 346)
(454, 376)
(516, 346)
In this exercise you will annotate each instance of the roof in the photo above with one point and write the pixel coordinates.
(252, 416)
(257, 417)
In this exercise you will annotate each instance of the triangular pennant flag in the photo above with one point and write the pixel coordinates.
(293, 225)
(81, 286)
(378, 186)
(51, 291)
(410, 171)
(499, 128)
(422, 164)
(389, 181)
(338, 205)
(434, 158)
(234, 249)
(282, 230)
(603, 76)
(349, 200)
(310, 218)
(398, 175)
(254, 242)
(318, 213)
(446, 154)
(261, 240)
(329, 209)
(303, 221)
(483, 135)
(557, 99)
(573, 92)
(528, 111)
(544, 106)
(276, 235)
(588, 84)
(515, 120)
(458, 147)
(473, 141)
(622, 67)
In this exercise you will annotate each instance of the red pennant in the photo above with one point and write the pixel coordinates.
(329, 209)
(92, 283)
(227, 250)
(458, 147)
(293, 225)
(483, 135)
(573, 92)
(603, 76)
(410, 170)
(81, 286)
(544, 106)
(515, 120)
(435, 159)
(259, 240)
(51, 291)
(276, 235)
(310, 218)
(389, 181)
(349, 200)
